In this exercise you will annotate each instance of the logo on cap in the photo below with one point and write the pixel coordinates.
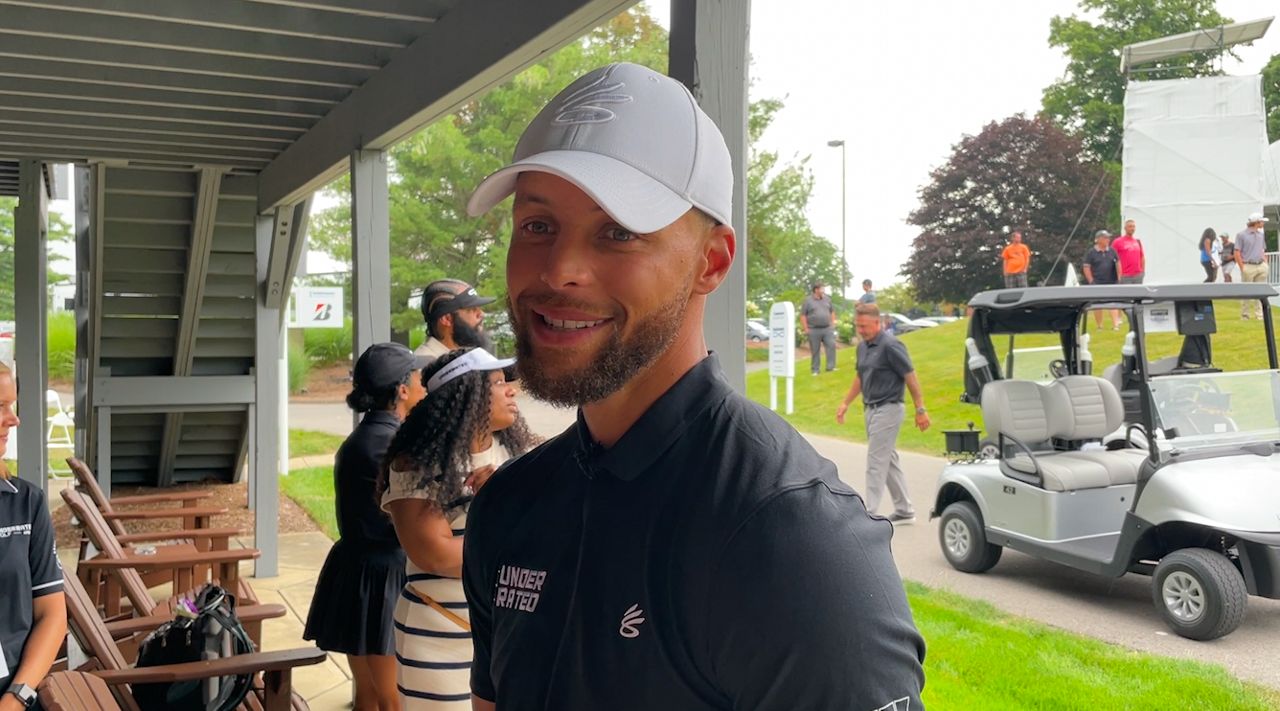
(582, 106)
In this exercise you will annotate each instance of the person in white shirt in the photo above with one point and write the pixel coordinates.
(449, 445)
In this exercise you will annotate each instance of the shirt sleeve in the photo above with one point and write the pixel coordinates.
(475, 567)
(46, 569)
(807, 611)
(899, 359)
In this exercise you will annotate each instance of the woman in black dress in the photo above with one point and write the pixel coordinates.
(356, 593)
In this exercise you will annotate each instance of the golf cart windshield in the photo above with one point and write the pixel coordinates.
(1215, 409)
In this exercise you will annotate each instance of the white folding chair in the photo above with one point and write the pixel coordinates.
(59, 438)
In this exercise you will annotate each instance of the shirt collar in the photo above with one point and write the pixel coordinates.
(381, 417)
(658, 428)
(7, 487)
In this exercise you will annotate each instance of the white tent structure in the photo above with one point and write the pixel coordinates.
(1195, 151)
(1271, 179)
(1192, 159)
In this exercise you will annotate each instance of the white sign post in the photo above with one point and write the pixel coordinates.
(782, 352)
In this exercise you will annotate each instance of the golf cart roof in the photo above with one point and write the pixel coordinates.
(1076, 297)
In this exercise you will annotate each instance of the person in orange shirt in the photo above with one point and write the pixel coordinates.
(1017, 258)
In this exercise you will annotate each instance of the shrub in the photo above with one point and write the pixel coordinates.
(299, 368)
(61, 337)
(326, 346)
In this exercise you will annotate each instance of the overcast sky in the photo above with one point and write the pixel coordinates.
(901, 83)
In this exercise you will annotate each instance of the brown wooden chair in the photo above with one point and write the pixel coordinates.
(273, 691)
(191, 516)
(76, 691)
(114, 576)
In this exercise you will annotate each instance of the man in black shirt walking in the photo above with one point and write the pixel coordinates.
(679, 547)
(884, 371)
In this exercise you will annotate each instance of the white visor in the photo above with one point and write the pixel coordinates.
(477, 359)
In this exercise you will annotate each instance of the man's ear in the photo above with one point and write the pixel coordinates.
(717, 253)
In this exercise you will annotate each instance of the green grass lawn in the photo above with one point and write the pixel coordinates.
(312, 489)
(303, 443)
(939, 357)
(981, 658)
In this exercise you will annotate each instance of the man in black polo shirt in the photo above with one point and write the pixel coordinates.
(679, 547)
(884, 371)
(1101, 266)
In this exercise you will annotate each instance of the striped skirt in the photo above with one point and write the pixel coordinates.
(433, 652)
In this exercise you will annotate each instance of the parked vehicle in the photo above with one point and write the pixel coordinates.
(924, 323)
(941, 319)
(901, 324)
(757, 331)
(1163, 466)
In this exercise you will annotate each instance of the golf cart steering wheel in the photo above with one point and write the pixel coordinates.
(1058, 368)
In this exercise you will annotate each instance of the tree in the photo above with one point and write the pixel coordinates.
(59, 231)
(433, 172)
(1089, 99)
(783, 253)
(1023, 174)
(1271, 97)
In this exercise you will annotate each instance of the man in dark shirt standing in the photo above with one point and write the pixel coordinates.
(884, 368)
(679, 547)
(1101, 266)
(818, 317)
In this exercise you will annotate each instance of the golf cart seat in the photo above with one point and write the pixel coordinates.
(1090, 408)
(1076, 408)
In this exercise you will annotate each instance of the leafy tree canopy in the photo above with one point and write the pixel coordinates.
(59, 231)
(1089, 99)
(434, 171)
(1271, 97)
(1023, 174)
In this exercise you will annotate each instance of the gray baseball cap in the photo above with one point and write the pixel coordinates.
(632, 139)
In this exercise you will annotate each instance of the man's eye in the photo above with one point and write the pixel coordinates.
(537, 227)
(618, 234)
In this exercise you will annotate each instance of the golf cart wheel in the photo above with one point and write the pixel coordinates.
(1199, 593)
(964, 540)
(988, 449)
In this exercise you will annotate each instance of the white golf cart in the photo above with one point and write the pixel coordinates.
(1164, 466)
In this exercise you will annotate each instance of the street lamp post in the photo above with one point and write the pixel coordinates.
(844, 257)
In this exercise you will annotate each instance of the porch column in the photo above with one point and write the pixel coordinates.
(708, 53)
(31, 295)
(264, 414)
(370, 252)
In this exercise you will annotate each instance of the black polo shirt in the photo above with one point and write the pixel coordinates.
(29, 566)
(355, 480)
(883, 365)
(1102, 265)
(711, 559)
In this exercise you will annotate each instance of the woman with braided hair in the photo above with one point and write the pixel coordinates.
(449, 445)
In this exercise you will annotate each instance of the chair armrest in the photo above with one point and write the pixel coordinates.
(163, 561)
(1035, 478)
(162, 513)
(245, 613)
(158, 498)
(184, 534)
(227, 666)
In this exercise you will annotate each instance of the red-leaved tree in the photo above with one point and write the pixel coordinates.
(1022, 174)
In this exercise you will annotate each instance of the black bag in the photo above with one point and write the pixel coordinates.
(213, 632)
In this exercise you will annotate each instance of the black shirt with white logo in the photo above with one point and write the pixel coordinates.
(711, 559)
(29, 566)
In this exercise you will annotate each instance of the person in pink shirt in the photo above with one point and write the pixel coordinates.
(1133, 261)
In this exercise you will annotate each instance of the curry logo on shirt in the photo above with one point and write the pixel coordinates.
(519, 588)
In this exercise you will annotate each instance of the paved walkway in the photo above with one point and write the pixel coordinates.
(1118, 611)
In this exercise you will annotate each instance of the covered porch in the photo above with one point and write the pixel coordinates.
(199, 132)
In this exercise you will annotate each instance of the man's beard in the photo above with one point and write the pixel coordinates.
(616, 363)
(468, 336)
